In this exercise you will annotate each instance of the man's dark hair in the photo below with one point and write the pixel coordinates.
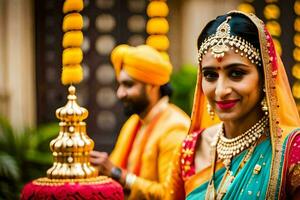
(166, 90)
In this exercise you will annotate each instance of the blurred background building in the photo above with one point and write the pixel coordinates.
(31, 49)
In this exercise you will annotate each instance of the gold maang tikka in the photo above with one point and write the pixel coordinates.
(220, 42)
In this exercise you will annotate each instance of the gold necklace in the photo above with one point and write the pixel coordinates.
(228, 148)
(228, 177)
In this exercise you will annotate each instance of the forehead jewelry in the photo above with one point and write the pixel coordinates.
(220, 42)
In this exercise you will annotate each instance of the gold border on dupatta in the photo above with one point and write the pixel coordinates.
(272, 100)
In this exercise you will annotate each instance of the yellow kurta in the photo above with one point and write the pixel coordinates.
(157, 138)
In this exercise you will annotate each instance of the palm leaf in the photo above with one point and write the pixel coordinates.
(44, 158)
(9, 167)
(7, 140)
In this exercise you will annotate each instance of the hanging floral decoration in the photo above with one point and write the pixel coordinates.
(157, 26)
(72, 56)
(296, 54)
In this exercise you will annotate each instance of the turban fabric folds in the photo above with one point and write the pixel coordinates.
(142, 63)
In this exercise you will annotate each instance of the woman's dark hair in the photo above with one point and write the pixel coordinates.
(166, 90)
(240, 25)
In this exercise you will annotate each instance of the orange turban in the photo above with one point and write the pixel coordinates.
(142, 63)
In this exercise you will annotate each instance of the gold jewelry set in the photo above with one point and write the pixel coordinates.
(227, 179)
(220, 43)
(228, 148)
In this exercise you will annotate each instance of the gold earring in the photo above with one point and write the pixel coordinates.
(264, 106)
(210, 111)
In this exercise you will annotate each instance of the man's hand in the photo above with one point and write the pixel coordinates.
(101, 161)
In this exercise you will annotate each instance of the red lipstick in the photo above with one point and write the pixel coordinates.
(227, 104)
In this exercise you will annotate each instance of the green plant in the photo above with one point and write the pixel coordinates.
(183, 83)
(24, 156)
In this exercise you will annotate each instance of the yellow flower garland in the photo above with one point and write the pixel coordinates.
(72, 74)
(157, 26)
(157, 9)
(159, 42)
(246, 7)
(271, 11)
(72, 56)
(73, 21)
(296, 90)
(296, 70)
(72, 39)
(274, 28)
(72, 5)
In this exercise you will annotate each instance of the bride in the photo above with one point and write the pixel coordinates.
(253, 152)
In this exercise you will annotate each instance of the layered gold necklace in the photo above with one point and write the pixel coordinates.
(228, 148)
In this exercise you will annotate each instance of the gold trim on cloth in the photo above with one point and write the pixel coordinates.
(57, 182)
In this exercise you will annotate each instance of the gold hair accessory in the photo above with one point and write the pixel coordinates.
(220, 43)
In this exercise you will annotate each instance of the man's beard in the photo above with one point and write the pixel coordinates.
(136, 106)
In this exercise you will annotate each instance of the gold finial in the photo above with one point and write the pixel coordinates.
(72, 111)
(72, 146)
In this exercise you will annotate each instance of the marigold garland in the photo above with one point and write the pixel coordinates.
(73, 5)
(72, 56)
(274, 28)
(72, 39)
(297, 39)
(296, 90)
(73, 21)
(158, 26)
(246, 7)
(72, 74)
(159, 42)
(296, 70)
(157, 9)
(296, 55)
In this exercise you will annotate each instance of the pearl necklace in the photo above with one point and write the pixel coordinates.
(228, 148)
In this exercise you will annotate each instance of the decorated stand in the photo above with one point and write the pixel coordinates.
(72, 176)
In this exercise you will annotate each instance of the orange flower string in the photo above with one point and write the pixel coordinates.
(72, 72)
(157, 26)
